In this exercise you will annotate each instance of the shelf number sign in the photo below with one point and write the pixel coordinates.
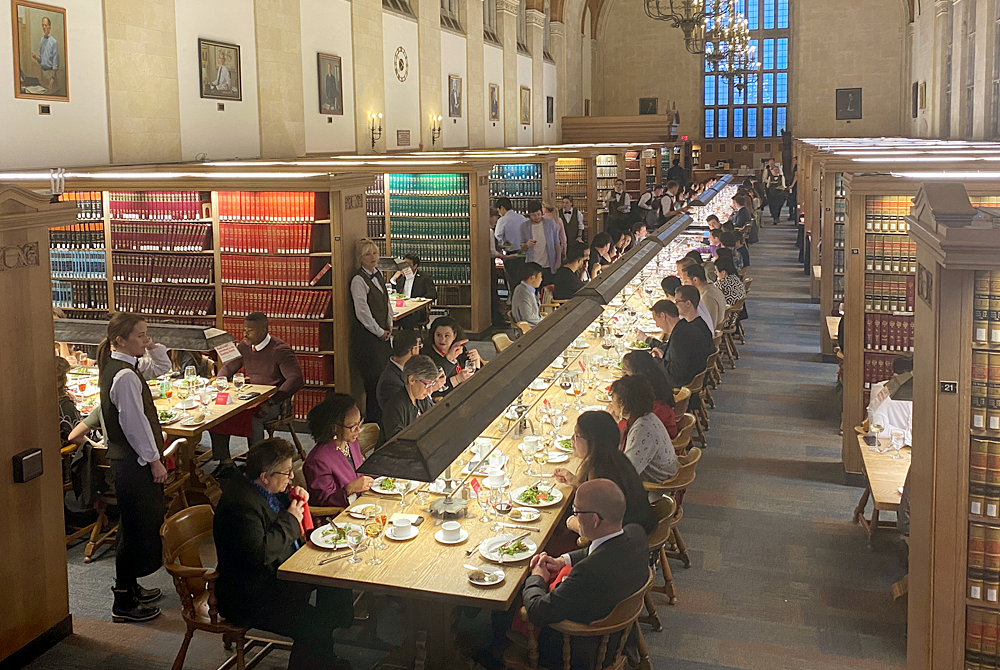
(949, 387)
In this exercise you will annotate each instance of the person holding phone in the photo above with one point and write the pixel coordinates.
(447, 350)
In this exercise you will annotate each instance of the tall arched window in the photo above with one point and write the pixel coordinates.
(761, 109)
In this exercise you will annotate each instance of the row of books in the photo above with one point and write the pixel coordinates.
(984, 562)
(164, 300)
(838, 261)
(161, 237)
(890, 293)
(268, 206)
(878, 368)
(276, 303)
(78, 264)
(90, 203)
(890, 253)
(316, 370)
(452, 206)
(982, 630)
(986, 308)
(158, 206)
(305, 400)
(159, 269)
(446, 273)
(516, 189)
(884, 213)
(427, 229)
(984, 478)
(432, 252)
(265, 238)
(89, 235)
(518, 171)
(428, 184)
(887, 332)
(299, 336)
(376, 226)
(839, 236)
(297, 271)
(985, 395)
(80, 294)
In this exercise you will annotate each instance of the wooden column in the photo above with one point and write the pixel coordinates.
(35, 597)
(479, 248)
(820, 208)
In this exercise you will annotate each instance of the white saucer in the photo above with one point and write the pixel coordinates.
(463, 535)
(558, 457)
(389, 533)
(486, 482)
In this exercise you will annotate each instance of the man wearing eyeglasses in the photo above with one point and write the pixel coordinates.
(613, 567)
(257, 527)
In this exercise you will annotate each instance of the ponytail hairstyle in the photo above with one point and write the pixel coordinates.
(121, 325)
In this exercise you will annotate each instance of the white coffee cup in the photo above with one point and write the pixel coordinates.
(531, 441)
(451, 531)
(497, 478)
(401, 527)
(559, 362)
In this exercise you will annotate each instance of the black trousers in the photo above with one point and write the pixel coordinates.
(138, 549)
(775, 201)
(370, 355)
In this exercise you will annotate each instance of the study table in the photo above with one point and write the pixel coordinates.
(429, 575)
(885, 476)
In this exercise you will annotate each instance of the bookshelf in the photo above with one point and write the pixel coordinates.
(607, 173)
(520, 182)
(839, 237)
(651, 169)
(633, 174)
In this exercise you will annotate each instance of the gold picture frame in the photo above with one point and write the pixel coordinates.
(525, 106)
(454, 96)
(39, 40)
(494, 102)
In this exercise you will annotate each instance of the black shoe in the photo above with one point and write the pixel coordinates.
(127, 608)
(146, 596)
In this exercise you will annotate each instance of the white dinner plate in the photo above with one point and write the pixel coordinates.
(558, 457)
(488, 549)
(523, 515)
(635, 348)
(554, 497)
(358, 511)
(491, 576)
(177, 383)
(565, 448)
(187, 403)
(377, 487)
(174, 416)
(538, 385)
(463, 535)
(325, 537)
(190, 422)
(594, 408)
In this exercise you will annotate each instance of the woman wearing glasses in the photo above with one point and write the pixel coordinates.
(330, 469)
(407, 405)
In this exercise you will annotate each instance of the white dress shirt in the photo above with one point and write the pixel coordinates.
(126, 395)
(706, 315)
(594, 544)
(359, 292)
(263, 343)
(892, 414)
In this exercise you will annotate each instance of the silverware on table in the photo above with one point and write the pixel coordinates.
(514, 525)
(470, 552)
(510, 542)
(344, 555)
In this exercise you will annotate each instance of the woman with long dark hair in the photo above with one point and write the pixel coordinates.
(642, 364)
(446, 347)
(595, 440)
(135, 446)
(645, 441)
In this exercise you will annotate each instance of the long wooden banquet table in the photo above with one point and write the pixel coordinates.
(430, 575)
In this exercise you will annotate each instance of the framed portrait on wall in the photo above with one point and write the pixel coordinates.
(494, 102)
(550, 109)
(525, 106)
(454, 96)
(41, 57)
(922, 95)
(220, 73)
(648, 105)
(848, 104)
(331, 84)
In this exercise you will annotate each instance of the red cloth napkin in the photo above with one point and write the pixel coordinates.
(306, 524)
(519, 625)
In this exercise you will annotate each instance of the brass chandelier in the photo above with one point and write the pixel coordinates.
(688, 15)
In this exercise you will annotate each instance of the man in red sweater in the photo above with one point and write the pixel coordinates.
(265, 360)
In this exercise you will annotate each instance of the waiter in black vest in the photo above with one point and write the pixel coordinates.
(135, 446)
(372, 324)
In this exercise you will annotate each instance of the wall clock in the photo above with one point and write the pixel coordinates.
(401, 64)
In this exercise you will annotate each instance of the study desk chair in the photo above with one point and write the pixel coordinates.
(182, 535)
(298, 479)
(665, 509)
(548, 304)
(676, 487)
(501, 341)
(621, 620)
(285, 421)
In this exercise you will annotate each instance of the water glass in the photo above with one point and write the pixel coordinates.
(239, 380)
(896, 442)
(354, 539)
(221, 384)
(402, 487)
(373, 529)
(190, 372)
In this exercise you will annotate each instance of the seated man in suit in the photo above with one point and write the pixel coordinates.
(405, 345)
(413, 283)
(257, 528)
(690, 342)
(613, 567)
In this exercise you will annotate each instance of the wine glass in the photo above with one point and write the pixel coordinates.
(383, 520)
(483, 499)
(354, 538)
(578, 391)
(239, 380)
(503, 507)
(190, 372)
(183, 391)
(896, 442)
(221, 384)
(373, 529)
(557, 423)
(528, 455)
(496, 498)
(877, 428)
(402, 487)
(542, 455)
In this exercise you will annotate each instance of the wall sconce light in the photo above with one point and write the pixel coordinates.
(435, 129)
(376, 131)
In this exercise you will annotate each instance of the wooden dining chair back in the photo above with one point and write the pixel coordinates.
(286, 422)
(664, 510)
(696, 387)
(618, 624)
(368, 438)
(683, 478)
(713, 377)
(66, 454)
(682, 397)
(546, 301)
(729, 329)
(103, 531)
(685, 425)
(524, 327)
(175, 486)
(501, 341)
(299, 479)
(183, 535)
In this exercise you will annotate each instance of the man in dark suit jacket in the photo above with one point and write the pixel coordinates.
(690, 342)
(416, 285)
(612, 568)
(257, 529)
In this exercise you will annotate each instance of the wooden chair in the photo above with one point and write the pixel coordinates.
(368, 438)
(182, 535)
(621, 620)
(682, 397)
(501, 341)
(524, 326)
(66, 453)
(285, 421)
(713, 378)
(547, 303)
(696, 386)
(729, 332)
(665, 509)
(298, 479)
(676, 487)
(683, 440)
